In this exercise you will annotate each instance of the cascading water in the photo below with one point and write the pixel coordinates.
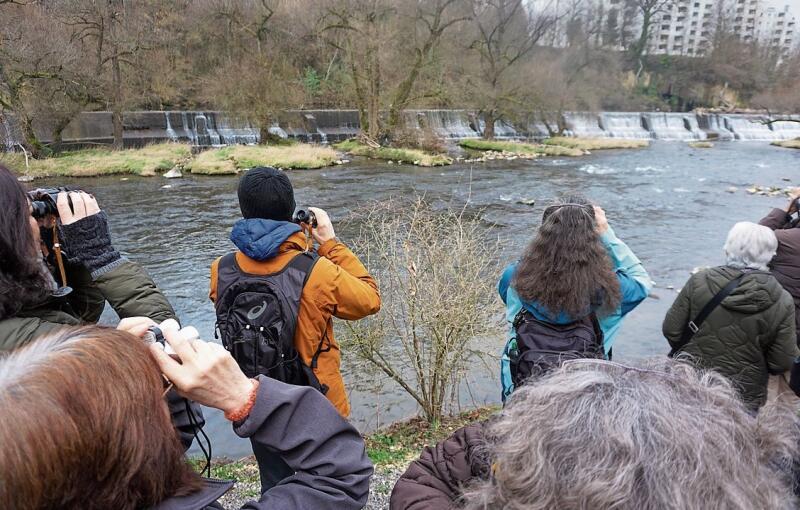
(337, 125)
(623, 125)
(449, 124)
(170, 132)
(206, 131)
(748, 127)
(189, 132)
(7, 136)
(787, 130)
(714, 126)
(673, 126)
(584, 124)
(239, 133)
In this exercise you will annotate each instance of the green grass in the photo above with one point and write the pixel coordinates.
(410, 156)
(229, 160)
(519, 148)
(789, 144)
(91, 162)
(595, 143)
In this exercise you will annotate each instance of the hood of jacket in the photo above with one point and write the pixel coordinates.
(260, 239)
(757, 291)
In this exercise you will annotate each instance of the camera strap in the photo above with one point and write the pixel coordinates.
(59, 259)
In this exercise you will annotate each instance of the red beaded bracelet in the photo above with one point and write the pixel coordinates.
(244, 411)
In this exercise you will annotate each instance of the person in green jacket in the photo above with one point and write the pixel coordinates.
(751, 334)
(31, 302)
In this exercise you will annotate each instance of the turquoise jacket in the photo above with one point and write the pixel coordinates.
(634, 282)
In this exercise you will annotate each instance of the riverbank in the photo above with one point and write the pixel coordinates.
(391, 450)
(163, 157)
(788, 144)
(393, 154)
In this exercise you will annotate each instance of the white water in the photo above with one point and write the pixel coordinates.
(787, 130)
(170, 132)
(585, 124)
(8, 138)
(449, 124)
(748, 127)
(673, 126)
(623, 125)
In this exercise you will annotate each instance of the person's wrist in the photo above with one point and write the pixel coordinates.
(241, 400)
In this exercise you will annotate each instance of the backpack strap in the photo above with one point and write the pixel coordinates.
(694, 325)
(304, 262)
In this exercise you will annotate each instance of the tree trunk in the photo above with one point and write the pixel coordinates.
(116, 115)
(31, 141)
(488, 125)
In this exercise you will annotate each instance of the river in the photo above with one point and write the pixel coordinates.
(669, 202)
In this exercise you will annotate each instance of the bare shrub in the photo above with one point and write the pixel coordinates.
(424, 139)
(436, 271)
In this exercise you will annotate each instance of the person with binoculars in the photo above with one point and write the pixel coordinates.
(275, 297)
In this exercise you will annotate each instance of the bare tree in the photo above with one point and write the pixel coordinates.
(506, 32)
(649, 11)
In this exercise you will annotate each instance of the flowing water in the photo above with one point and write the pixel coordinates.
(669, 203)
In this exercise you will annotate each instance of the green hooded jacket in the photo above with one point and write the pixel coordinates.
(749, 336)
(128, 289)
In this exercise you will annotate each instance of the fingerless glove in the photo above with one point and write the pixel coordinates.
(88, 242)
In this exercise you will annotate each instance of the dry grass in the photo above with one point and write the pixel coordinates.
(91, 162)
(701, 145)
(592, 144)
(520, 148)
(789, 144)
(410, 156)
(229, 160)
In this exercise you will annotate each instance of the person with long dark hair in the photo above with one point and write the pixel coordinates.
(31, 300)
(32, 303)
(575, 269)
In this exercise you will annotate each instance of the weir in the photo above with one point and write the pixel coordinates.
(213, 129)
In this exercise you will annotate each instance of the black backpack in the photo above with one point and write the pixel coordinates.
(542, 346)
(257, 317)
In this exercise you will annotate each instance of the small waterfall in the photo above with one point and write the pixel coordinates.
(714, 126)
(336, 125)
(189, 132)
(584, 124)
(673, 126)
(502, 129)
(170, 132)
(449, 124)
(7, 136)
(748, 127)
(623, 125)
(786, 130)
(207, 134)
(237, 132)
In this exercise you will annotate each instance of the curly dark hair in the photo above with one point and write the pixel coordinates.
(23, 282)
(566, 268)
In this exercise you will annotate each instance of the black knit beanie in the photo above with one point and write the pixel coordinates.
(265, 192)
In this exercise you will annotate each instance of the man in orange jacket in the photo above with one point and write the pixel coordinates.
(338, 285)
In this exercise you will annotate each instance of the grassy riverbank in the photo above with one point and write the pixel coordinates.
(158, 158)
(409, 156)
(594, 144)
(789, 144)
(519, 148)
(391, 450)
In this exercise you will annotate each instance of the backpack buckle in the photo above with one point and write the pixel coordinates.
(693, 327)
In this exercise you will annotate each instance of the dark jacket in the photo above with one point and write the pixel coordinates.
(749, 336)
(436, 479)
(331, 466)
(786, 263)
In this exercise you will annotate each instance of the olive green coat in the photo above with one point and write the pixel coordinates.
(750, 335)
(128, 289)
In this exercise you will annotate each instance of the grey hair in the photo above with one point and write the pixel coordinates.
(750, 245)
(600, 435)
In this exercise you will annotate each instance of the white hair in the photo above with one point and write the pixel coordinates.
(750, 246)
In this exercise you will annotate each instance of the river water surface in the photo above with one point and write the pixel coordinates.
(669, 202)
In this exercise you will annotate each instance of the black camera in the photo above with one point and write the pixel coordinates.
(305, 215)
(43, 201)
(794, 213)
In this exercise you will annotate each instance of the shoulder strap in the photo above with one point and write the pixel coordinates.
(303, 262)
(694, 325)
(227, 261)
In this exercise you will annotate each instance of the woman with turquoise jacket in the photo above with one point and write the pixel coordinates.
(573, 268)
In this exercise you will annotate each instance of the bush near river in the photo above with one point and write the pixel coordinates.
(789, 144)
(391, 450)
(162, 157)
(400, 155)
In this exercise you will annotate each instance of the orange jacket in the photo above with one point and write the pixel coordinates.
(338, 286)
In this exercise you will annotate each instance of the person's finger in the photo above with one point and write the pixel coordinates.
(173, 370)
(64, 211)
(182, 345)
(169, 325)
(92, 207)
(190, 332)
(136, 326)
(77, 204)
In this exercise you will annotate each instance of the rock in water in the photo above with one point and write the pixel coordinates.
(166, 186)
(527, 201)
(175, 173)
(25, 178)
(732, 189)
